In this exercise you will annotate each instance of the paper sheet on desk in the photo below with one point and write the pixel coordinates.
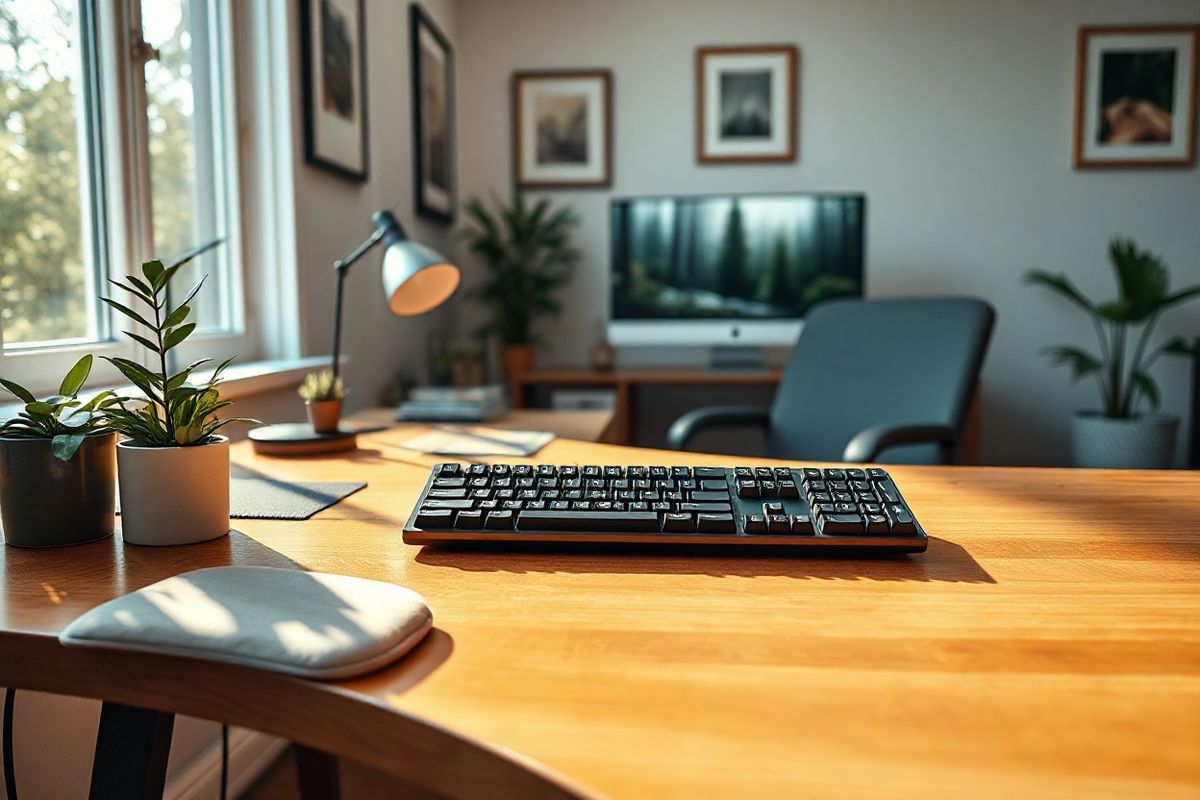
(470, 440)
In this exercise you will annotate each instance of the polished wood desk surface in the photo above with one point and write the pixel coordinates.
(1047, 644)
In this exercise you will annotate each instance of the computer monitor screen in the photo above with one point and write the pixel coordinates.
(747, 259)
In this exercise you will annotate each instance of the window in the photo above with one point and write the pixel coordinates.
(114, 148)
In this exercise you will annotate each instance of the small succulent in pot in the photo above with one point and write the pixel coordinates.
(323, 394)
(174, 464)
(58, 466)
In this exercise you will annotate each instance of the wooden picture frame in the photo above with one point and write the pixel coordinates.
(333, 65)
(558, 116)
(1132, 114)
(432, 62)
(761, 126)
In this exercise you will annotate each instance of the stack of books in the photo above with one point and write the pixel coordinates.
(453, 404)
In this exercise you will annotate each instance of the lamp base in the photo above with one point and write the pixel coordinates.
(299, 439)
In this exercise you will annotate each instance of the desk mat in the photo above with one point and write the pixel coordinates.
(263, 498)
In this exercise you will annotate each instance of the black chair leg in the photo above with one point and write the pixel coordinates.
(132, 746)
(318, 774)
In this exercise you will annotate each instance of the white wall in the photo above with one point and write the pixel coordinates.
(954, 117)
(333, 215)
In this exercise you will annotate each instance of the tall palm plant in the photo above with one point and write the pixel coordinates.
(526, 249)
(1144, 294)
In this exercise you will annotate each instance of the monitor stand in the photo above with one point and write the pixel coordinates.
(726, 358)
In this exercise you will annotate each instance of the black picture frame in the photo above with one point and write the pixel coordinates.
(427, 205)
(313, 154)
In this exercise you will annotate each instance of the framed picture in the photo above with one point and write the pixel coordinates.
(562, 129)
(433, 116)
(333, 56)
(1135, 96)
(746, 104)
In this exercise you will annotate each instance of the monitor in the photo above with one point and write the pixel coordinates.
(730, 270)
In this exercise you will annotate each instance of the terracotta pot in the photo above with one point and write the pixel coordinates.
(324, 415)
(46, 502)
(516, 360)
(174, 495)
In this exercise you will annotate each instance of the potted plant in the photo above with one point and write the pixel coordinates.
(1119, 434)
(528, 256)
(173, 464)
(323, 395)
(58, 466)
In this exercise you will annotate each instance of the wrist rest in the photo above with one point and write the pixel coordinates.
(308, 624)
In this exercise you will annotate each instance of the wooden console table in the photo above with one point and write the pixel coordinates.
(624, 382)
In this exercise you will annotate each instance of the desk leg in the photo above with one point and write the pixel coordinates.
(318, 774)
(132, 746)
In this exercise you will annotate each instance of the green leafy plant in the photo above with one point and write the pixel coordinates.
(320, 386)
(63, 418)
(1143, 295)
(528, 255)
(174, 412)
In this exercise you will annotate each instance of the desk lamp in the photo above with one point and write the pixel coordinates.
(416, 280)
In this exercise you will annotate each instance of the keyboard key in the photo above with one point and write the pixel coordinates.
(900, 521)
(764, 474)
(816, 486)
(613, 472)
(856, 475)
(835, 474)
(877, 523)
(802, 524)
(788, 489)
(658, 472)
(449, 483)
(477, 470)
(747, 489)
(434, 518)
(625, 521)
(523, 470)
(447, 494)
(449, 470)
(681, 472)
(715, 523)
(779, 523)
(500, 469)
(754, 523)
(768, 489)
(876, 474)
(500, 520)
(841, 523)
(678, 523)
(708, 472)
(469, 520)
(772, 508)
(547, 470)
(783, 474)
(811, 474)
(887, 490)
(433, 504)
(713, 486)
(714, 508)
(711, 497)
(743, 472)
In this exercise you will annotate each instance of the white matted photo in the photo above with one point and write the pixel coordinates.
(1135, 96)
(562, 129)
(334, 70)
(746, 104)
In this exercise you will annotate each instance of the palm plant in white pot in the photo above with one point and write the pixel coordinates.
(173, 463)
(1120, 434)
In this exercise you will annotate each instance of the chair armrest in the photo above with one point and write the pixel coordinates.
(867, 445)
(691, 423)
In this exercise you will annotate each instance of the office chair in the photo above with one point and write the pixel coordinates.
(867, 376)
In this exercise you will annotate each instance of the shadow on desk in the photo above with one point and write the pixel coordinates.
(943, 561)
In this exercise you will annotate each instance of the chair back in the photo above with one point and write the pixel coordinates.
(862, 363)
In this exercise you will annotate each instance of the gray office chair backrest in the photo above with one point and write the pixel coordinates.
(862, 363)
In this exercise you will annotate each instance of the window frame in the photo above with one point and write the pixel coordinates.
(118, 228)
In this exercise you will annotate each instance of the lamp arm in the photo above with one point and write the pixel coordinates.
(342, 268)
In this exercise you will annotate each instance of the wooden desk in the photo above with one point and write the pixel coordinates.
(624, 383)
(1047, 644)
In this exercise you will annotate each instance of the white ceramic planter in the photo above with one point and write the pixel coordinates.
(1145, 442)
(174, 495)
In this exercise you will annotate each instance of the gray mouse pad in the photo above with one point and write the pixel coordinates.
(263, 498)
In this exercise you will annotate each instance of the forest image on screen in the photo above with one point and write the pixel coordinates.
(764, 257)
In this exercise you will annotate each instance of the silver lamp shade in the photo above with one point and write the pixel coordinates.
(416, 279)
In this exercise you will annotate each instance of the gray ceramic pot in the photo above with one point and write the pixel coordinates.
(45, 502)
(1145, 442)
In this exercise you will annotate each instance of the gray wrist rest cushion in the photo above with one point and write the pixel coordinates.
(308, 624)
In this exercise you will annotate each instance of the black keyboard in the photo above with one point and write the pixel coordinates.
(859, 509)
